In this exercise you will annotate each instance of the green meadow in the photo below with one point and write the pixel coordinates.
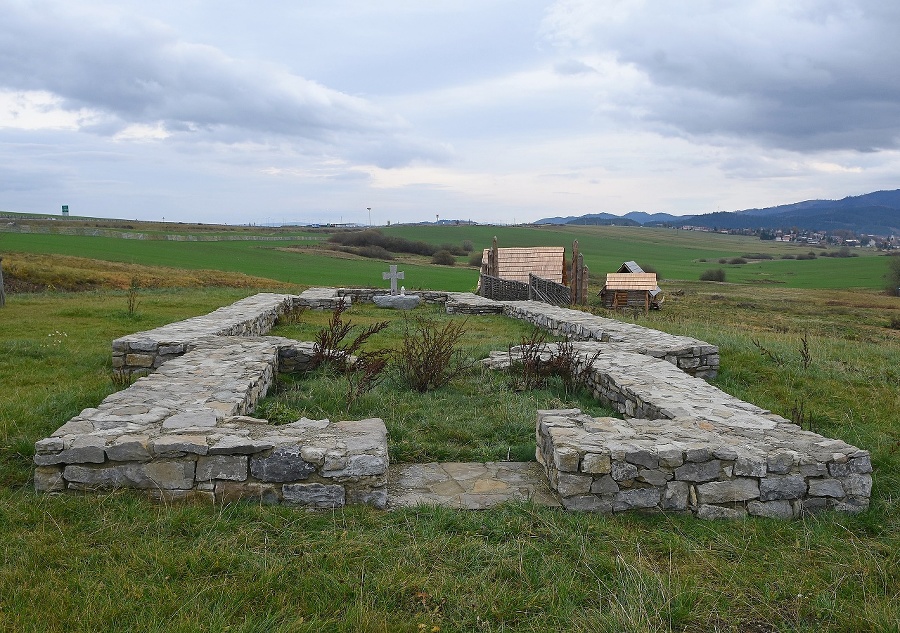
(118, 561)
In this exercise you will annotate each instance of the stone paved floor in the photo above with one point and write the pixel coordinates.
(468, 486)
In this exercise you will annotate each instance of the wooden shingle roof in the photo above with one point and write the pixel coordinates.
(631, 281)
(515, 263)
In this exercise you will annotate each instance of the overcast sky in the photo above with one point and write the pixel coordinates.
(490, 110)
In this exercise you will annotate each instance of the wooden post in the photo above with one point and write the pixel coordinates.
(584, 282)
(573, 273)
(494, 260)
(2, 291)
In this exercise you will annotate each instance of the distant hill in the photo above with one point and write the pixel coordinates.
(874, 213)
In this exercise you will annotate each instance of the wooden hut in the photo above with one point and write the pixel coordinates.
(515, 264)
(631, 287)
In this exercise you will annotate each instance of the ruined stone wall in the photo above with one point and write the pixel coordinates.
(142, 352)
(184, 432)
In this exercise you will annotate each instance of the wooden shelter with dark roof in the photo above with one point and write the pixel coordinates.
(631, 287)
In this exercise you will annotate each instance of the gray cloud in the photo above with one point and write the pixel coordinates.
(136, 71)
(804, 76)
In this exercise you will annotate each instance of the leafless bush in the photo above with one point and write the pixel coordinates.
(133, 295)
(330, 346)
(291, 316)
(805, 356)
(430, 356)
(536, 361)
(772, 356)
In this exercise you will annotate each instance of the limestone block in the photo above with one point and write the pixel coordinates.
(358, 466)
(49, 445)
(711, 512)
(377, 498)
(49, 479)
(239, 445)
(654, 477)
(771, 509)
(604, 485)
(231, 491)
(587, 503)
(139, 360)
(314, 495)
(697, 455)
(780, 463)
(177, 445)
(781, 487)
(142, 346)
(84, 449)
(642, 458)
(569, 484)
(637, 498)
(284, 464)
(852, 505)
(675, 496)
(699, 472)
(566, 459)
(164, 474)
(623, 471)
(747, 467)
(190, 419)
(129, 448)
(826, 488)
(857, 485)
(596, 464)
(740, 489)
(231, 467)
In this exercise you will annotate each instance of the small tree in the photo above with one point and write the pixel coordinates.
(893, 275)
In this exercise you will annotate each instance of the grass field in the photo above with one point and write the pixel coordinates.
(673, 254)
(121, 562)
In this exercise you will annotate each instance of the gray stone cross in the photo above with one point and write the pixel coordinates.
(393, 276)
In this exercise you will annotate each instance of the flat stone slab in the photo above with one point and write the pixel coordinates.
(468, 486)
(396, 302)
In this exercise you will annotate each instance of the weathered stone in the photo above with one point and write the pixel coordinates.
(642, 458)
(781, 487)
(376, 498)
(85, 449)
(314, 495)
(177, 445)
(49, 479)
(623, 471)
(637, 498)
(284, 464)
(565, 459)
(129, 448)
(780, 463)
(654, 477)
(675, 496)
(596, 464)
(604, 485)
(857, 485)
(825, 488)
(139, 360)
(231, 467)
(396, 302)
(711, 512)
(569, 484)
(587, 503)
(191, 419)
(740, 489)
(230, 491)
(747, 467)
(697, 472)
(357, 466)
(239, 445)
(771, 509)
(697, 455)
(852, 505)
(49, 445)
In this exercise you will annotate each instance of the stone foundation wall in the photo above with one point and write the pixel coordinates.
(143, 352)
(366, 295)
(183, 432)
(693, 356)
(706, 468)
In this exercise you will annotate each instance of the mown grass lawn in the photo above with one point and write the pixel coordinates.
(118, 561)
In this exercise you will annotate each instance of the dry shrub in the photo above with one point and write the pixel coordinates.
(430, 355)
